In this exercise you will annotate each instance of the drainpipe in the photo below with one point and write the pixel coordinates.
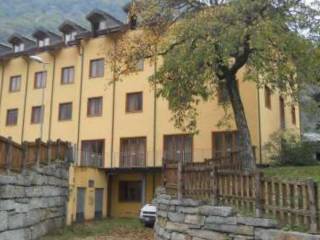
(25, 101)
(80, 97)
(113, 110)
(52, 93)
(155, 109)
(259, 123)
(2, 80)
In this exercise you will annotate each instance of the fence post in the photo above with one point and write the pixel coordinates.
(180, 180)
(215, 185)
(38, 152)
(313, 206)
(258, 193)
(24, 155)
(59, 149)
(49, 151)
(8, 154)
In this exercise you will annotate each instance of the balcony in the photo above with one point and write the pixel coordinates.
(89, 159)
(132, 159)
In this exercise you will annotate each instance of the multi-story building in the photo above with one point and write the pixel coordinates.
(60, 86)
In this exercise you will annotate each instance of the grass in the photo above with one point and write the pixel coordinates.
(97, 228)
(295, 173)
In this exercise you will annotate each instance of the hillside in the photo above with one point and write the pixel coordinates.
(23, 16)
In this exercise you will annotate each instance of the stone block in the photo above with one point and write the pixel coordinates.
(16, 221)
(163, 214)
(232, 229)
(194, 219)
(217, 211)
(178, 236)
(176, 217)
(257, 222)
(207, 235)
(272, 234)
(11, 191)
(176, 227)
(221, 220)
(3, 220)
(188, 210)
(18, 234)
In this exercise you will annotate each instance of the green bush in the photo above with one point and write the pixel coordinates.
(287, 149)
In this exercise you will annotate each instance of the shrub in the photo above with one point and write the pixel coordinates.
(287, 149)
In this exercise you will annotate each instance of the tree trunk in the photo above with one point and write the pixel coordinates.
(246, 151)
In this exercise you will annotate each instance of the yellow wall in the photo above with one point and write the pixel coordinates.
(79, 177)
(125, 124)
(131, 209)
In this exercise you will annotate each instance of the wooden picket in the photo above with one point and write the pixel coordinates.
(292, 203)
(15, 157)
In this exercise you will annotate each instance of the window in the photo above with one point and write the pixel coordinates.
(65, 111)
(130, 191)
(293, 115)
(15, 84)
(18, 47)
(67, 75)
(97, 68)
(12, 117)
(71, 36)
(222, 91)
(140, 64)
(224, 143)
(133, 152)
(40, 80)
(44, 42)
(178, 147)
(282, 113)
(134, 102)
(94, 107)
(267, 96)
(92, 153)
(37, 114)
(102, 25)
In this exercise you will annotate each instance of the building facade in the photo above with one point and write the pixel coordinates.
(59, 86)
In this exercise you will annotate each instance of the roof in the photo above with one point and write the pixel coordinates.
(4, 49)
(41, 33)
(97, 15)
(68, 26)
(18, 38)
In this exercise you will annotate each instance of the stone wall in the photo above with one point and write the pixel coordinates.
(194, 220)
(33, 203)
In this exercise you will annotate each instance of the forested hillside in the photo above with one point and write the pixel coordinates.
(24, 15)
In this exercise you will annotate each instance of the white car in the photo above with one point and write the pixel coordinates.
(148, 215)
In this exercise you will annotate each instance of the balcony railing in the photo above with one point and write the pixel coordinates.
(89, 159)
(132, 159)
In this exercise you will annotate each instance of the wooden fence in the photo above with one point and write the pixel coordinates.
(292, 203)
(16, 157)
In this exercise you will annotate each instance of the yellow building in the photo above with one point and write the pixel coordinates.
(58, 86)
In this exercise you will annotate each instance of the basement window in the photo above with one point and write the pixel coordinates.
(130, 191)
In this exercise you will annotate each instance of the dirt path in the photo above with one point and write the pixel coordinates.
(146, 234)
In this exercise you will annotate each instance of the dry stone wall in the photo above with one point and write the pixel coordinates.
(34, 202)
(194, 220)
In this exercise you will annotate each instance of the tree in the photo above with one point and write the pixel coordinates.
(205, 43)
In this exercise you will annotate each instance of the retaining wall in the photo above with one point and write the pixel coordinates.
(194, 220)
(34, 202)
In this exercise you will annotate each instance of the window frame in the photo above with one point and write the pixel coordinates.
(128, 95)
(235, 134)
(178, 135)
(282, 108)
(293, 115)
(121, 188)
(59, 114)
(10, 83)
(91, 67)
(88, 107)
(62, 75)
(268, 97)
(122, 142)
(15, 123)
(41, 114)
(45, 80)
